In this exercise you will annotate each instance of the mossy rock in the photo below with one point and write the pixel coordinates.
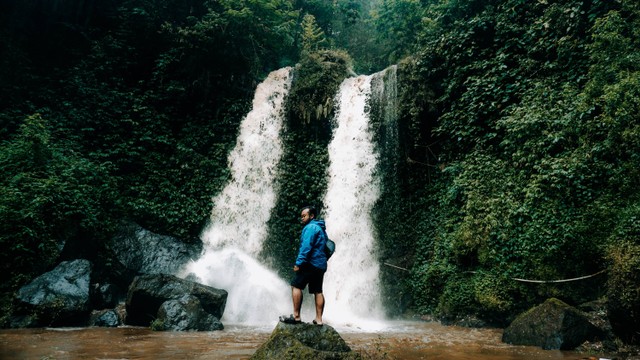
(305, 341)
(552, 325)
(315, 84)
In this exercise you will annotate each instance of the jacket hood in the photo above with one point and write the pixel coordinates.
(319, 223)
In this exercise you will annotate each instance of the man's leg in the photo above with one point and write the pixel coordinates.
(296, 295)
(319, 298)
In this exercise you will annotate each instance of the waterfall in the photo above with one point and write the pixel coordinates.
(237, 227)
(352, 286)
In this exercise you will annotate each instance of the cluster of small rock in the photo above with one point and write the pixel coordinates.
(66, 295)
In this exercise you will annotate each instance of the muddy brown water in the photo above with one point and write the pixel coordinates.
(402, 340)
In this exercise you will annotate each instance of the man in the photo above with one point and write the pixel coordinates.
(310, 266)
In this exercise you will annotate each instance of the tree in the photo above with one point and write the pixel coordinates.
(313, 38)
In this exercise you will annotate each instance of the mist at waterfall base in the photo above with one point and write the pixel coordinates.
(238, 224)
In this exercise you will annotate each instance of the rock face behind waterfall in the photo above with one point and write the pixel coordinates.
(178, 304)
(59, 297)
(552, 325)
(304, 341)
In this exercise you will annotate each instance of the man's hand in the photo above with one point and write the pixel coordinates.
(295, 268)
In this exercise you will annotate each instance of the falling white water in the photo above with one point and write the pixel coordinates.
(238, 223)
(352, 286)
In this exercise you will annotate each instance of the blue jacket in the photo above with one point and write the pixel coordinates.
(312, 243)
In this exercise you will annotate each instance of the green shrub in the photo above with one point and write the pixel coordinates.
(623, 286)
(51, 198)
(157, 325)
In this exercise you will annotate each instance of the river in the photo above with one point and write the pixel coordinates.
(400, 340)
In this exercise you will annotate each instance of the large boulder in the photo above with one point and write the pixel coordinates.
(552, 325)
(59, 297)
(304, 341)
(185, 314)
(138, 251)
(148, 292)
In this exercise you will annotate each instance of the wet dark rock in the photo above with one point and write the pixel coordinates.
(469, 321)
(304, 341)
(551, 325)
(59, 297)
(148, 292)
(138, 251)
(104, 318)
(596, 312)
(104, 296)
(185, 314)
(24, 321)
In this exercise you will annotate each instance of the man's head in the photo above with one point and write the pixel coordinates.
(307, 214)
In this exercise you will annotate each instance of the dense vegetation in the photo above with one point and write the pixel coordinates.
(529, 112)
(519, 135)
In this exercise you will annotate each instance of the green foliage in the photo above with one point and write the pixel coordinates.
(353, 29)
(613, 135)
(537, 135)
(313, 38)
(316, 81)
(611, 96)
(50, 197)
(518, 133)
(148, 96)
(157, 325)
(361, 28)
(258, 37)
(399, 22)
(624, 302)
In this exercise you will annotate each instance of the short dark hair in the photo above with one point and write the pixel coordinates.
(311, 208)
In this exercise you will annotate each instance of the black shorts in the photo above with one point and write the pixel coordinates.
(308, 274)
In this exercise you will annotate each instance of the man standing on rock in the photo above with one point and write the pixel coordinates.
(310, 266)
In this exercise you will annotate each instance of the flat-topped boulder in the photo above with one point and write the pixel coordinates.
(59, 297)
(305, 341)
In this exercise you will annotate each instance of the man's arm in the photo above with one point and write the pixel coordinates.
(306, 239)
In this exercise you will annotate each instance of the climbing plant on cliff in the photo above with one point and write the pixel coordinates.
(302, 175)
(613, 135)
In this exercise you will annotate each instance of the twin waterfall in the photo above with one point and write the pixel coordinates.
(238, 225)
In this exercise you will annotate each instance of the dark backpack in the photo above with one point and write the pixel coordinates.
(329, 248)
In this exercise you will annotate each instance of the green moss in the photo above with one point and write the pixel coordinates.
(315, 84)
(157, 325)
(305, 341)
